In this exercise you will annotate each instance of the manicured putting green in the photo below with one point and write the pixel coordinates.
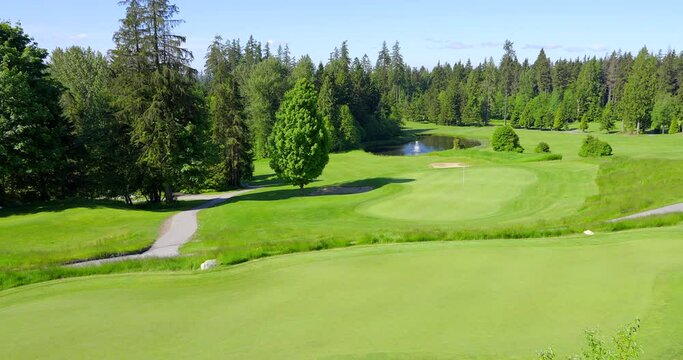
(474, 299)
(443, 195)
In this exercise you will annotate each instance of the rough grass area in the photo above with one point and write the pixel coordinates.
(495, 299)
(631, 185)
(38, 236)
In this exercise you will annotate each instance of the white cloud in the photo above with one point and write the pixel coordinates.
(457, 45)
(79, 36)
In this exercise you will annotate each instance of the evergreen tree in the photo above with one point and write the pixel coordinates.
(300, 140)
(542, 70)
(639, 93)
(304, 69)
(101, 149)
(229, 130)
(349, 137)
(589, 91)
(609, 118)
(262, 92)
(327, 109)
(663, 111)
(472, 112)
(508, 67)
(488, 84)
(155, 91)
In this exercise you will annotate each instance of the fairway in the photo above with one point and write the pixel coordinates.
(472, 299)
(175, 186)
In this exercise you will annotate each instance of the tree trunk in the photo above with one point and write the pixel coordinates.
(168, 193)
(505, 116)
(44, 195)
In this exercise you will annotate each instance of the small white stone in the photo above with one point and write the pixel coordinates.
(208, 264)
(588, 232)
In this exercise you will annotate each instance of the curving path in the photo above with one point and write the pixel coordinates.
(675, 208)
(175, 232)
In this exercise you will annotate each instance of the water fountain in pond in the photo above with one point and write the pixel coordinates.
(422, 145)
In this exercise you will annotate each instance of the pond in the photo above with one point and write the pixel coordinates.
(421, 145)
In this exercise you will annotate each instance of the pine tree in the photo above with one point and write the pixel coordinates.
(639, 93)
(472, 112)
(543, 72)
(230, 134)
(508, 67)
(348, 130)
(101, 152)
(327, 109)
(589, 91)
(300, 140)
(262, 92)
(154, 89)
(304, 69)
(609, 118)
(488, 89)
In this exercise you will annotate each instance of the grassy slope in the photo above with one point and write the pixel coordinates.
(409, 196)
(501, 191)
(50, 234)
(484, 299)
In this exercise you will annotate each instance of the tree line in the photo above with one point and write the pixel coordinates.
(619, 91)
(139, 121)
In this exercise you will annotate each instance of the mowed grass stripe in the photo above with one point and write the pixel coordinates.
(480, 299)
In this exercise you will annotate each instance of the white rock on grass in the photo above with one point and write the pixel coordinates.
(209, 264)
(588, 232)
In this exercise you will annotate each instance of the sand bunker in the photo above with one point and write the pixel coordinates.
(448, 165)
(341, 190)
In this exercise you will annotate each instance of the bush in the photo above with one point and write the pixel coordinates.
(505, 139)
(542, 147)
(675, 127)
(593, 147)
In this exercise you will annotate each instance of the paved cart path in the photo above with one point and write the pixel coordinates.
(176, 231)
(659, 211)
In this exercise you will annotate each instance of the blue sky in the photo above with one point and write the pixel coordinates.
(428, 31)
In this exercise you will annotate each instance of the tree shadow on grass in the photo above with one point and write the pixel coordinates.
(61, 205)
(282, 194)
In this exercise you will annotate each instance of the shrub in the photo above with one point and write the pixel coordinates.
(542, 147)
(593, 147)
(675, 127)
(505, 139)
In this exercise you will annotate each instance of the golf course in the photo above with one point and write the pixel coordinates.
(341, 180)
(518, 276)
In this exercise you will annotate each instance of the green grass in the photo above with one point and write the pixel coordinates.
(507, 297)
(504, 194)
(476, 299)
(409, 196)
(44, 235)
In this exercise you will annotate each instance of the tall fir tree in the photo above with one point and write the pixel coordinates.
(639, 93)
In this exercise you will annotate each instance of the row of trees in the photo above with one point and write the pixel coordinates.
(141, 121)
(633, 93)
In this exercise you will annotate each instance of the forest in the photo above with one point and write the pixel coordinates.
(139, 123)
